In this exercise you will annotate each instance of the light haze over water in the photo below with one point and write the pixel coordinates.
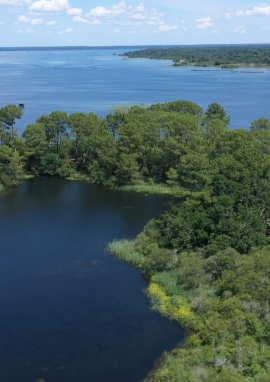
(96, 79)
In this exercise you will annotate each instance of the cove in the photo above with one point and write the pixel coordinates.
(70, 311)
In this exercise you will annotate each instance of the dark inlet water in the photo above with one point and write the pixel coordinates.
(69, 311)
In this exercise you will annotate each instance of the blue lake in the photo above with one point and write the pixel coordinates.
(96, 79)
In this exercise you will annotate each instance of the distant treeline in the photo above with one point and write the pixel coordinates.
(219, 56)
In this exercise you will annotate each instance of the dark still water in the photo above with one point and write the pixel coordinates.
(69, 311)
(96, 79)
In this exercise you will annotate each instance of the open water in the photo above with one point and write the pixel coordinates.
(96, 79)
(70, 312)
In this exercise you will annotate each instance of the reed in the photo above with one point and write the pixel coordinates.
(124, 250)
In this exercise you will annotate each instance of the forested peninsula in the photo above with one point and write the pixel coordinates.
(208, 257)
(222, 56)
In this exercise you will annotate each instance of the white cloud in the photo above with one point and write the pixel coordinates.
(68, 30)
(15, 3)
(50, 23)
(28, 30)
(28, 20)
(228, 15)
(151, 22)
(214, 31)
(119, 5)
(49, 5)
(2, 22)
(117, 31)
(74, 11)
(203, 20)
(102, 11)
(240, 13)
(165, 27)
(23, 19)
(120, 13)
(95, 22)
(35, 13)
(123, 14)
(140, 8)
(138, 16)
(37, 21)
(239, 29)
(205, 23)
(79, 19)
(98, 11)
(262, 10)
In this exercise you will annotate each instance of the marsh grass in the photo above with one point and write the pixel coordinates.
(149, 188)
(78, 176)
(124, 250)
(128, 107)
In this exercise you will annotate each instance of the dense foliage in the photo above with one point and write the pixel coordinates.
(213, 55)
(207, 258)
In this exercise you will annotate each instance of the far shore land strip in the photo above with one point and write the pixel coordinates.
(220, 57)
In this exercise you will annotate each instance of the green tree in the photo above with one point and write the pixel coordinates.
(93, 146)
(11, 172)
(51, 163)
(8, 115)
(260, 124)
(127, 169)
(56, 125)
(216, 111)
(114, 121)
(36, 144)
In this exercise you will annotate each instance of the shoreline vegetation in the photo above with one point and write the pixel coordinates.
(208, 257)
(223, 57)
(125, 108)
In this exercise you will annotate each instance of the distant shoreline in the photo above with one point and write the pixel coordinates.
(83, 47)
(215, 56)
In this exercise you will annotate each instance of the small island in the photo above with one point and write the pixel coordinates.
(219, 56)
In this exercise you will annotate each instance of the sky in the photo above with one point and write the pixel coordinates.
(130, 22)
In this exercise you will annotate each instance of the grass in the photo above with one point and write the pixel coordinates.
(28, 176)
(128, 107)
(149, 188)
(124, 250)
(78, 176)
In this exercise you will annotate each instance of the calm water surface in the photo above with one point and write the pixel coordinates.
(69, 311)
(95, 79)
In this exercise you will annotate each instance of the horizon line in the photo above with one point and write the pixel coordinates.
(122, 46)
